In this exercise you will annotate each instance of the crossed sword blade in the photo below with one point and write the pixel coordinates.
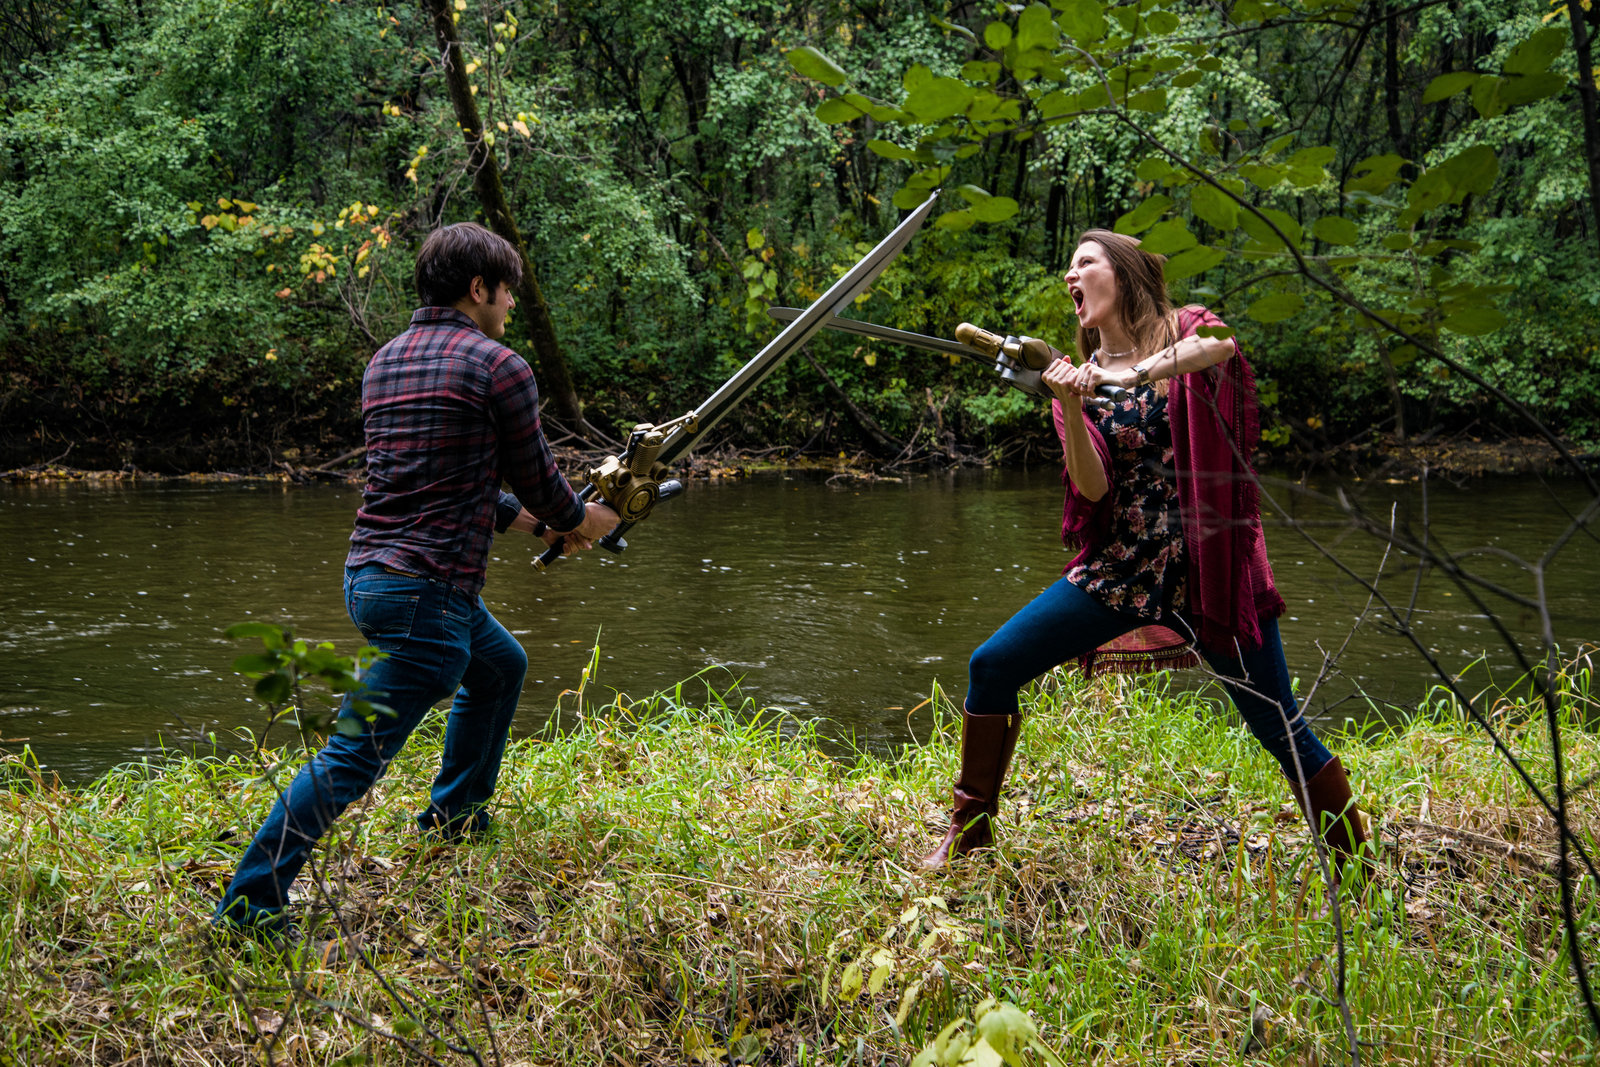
(935, 344)
(802, 326)
(889, 333)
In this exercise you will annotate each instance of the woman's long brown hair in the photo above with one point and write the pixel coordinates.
(1142, 301)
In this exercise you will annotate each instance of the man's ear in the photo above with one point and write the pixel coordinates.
(477, 290)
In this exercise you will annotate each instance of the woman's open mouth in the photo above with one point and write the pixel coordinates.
(1077, 300)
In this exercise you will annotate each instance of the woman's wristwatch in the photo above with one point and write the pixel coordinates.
(1141, 375)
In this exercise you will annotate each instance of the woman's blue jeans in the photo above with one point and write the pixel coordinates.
(1063, 623)
(439, 641)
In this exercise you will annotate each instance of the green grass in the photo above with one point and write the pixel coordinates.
(680, 880)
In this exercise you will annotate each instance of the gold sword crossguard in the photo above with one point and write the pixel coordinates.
(1020, 360)
(631, 484)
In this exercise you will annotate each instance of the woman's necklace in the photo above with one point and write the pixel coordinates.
(1101, 355)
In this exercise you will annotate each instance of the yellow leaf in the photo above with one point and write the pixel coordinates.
(209, 222)
(906, 1002)
(244, 206)
(850, 981)
(871, 359)
(461, 5)
(224, 203)
(521, 127)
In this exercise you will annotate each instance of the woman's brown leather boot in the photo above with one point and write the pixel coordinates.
(1333, 814)
(987, 742)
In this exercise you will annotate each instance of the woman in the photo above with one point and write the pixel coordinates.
(1172, 567)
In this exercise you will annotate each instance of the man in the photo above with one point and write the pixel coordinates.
(448, 413)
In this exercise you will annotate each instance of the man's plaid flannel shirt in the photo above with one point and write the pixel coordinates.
(448, 414)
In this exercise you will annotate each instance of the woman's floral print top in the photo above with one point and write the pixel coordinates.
(1140, 570)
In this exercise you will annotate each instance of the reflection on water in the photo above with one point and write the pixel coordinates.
(847, 604)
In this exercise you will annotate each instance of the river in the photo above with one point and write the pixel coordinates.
(846, 601)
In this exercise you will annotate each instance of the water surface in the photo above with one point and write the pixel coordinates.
(847, 603)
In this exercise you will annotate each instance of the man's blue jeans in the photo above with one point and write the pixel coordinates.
(1063, 623)
(439, 641)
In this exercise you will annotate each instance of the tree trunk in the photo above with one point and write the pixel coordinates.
(555, 378)
(880, 439)
(1589, 106)
(1398, 137)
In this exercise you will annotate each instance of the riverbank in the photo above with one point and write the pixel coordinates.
(677, 881)
(1461, 456)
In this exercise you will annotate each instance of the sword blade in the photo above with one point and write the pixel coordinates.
(804, 327)
(889, 333)
(1108, 394)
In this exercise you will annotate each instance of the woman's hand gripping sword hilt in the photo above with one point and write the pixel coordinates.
(1022, 361)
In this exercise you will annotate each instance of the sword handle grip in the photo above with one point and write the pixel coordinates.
(550, 555)
(613, 542)
(555, 551)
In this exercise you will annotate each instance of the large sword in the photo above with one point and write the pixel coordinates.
(630, 482)
(1021, 361)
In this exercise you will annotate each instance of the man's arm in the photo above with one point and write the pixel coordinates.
(598, 519)
(527, 462)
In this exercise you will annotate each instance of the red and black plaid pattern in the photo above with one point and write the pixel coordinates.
(449, 414)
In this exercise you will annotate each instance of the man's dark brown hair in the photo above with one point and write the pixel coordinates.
(454, 255)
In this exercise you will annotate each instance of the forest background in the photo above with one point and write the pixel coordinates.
(209, 209)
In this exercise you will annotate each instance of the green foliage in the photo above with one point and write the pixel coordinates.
(998, 1033)
(1262, 205)
(151, 193)
(1266, 151)
(287, 662)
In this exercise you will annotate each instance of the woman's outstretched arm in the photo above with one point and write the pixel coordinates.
(1187, 355)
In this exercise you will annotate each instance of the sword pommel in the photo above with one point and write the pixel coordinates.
(984, 341)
